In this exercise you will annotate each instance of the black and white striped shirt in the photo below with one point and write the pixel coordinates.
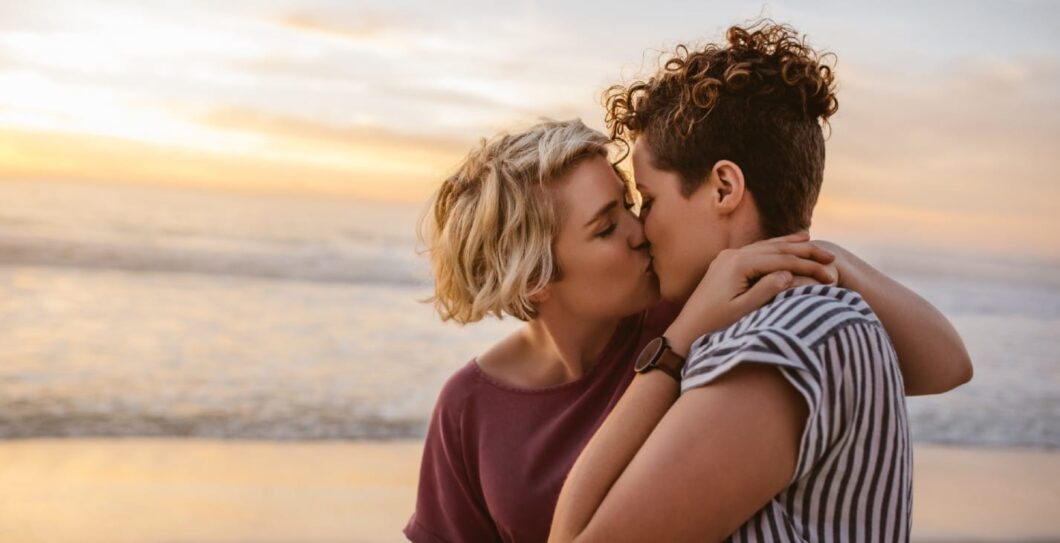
(853, 477)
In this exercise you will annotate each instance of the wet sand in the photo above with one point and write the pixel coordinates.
(213, 491)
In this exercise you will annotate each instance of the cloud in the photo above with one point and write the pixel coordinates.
(367, 27)
(980, 136)
(948, 128)
(290, 154)
(283, 127)
(964, 154)
(84, 157)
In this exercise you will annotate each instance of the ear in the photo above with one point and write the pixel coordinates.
(541, 295)
(728, 190)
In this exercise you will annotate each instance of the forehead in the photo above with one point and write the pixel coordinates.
(592, 183)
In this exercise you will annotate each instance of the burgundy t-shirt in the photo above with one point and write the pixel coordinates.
(496, 456)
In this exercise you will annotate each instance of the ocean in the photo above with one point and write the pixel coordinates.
(150, 311)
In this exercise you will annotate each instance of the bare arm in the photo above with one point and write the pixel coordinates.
(610, 450)
(619, 470)
(931, 355)
(723, 296)
(702, 484)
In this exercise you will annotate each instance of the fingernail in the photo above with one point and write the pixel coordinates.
(785, 277)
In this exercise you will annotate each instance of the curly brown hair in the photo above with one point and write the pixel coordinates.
(761, 101)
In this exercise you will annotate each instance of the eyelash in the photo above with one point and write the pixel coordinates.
(611, 228)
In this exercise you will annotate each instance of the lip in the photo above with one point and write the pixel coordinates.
(650, 268)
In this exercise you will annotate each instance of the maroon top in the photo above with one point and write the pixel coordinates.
(496, 455)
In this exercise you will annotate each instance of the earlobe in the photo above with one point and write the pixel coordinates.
(539, 296)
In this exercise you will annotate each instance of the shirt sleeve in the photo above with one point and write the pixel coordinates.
(708, 360)
(449, 506)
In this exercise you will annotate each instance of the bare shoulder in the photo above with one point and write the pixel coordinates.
(507, 361)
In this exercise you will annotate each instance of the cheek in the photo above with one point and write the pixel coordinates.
(669, 237)
(658, 231)
(651, 229)
(610, 259)
(608, 267)
(606, 279)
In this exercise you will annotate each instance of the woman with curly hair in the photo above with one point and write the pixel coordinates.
(789, 425)
(540, 225)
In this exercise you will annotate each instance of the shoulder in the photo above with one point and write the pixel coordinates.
(787, 330)
(456, 391)
(807, 314)
(508, 362)
(817, 312)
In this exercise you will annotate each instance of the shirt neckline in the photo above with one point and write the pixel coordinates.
(613, 345)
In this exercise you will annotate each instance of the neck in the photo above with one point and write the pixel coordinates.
(744, 224)
(567, 346)
(745, 228)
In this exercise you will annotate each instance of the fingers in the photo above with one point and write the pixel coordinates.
(764, 290)
(804, 249)
(790, 238)
(797, 236)
(801, 281)
(763, 264)
(833, 247)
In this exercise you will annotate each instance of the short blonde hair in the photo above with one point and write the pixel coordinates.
(490, 227)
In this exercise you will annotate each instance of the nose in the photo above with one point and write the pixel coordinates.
(645, 246)
(637, 239)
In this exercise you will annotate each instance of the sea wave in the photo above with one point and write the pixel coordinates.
(324, 261)
(229, 422)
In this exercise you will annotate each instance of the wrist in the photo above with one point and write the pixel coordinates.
(851, 269)
(679, 339)
(659, 354)
(684, 331)
(851, 274)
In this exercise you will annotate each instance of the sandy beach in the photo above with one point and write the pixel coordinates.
(199, 491)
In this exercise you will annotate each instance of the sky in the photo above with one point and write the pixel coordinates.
(947, 134)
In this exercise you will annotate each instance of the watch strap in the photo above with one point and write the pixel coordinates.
(671, 363)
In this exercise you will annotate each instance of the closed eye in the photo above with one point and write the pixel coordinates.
(607, 231)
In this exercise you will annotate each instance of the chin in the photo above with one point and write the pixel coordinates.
(649, 295)
(665, 287)
(673, 293)
(635, 296)
(678, 281)
(652, 297)
(670, 297)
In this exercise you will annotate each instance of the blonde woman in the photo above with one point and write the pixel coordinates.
(539, 226)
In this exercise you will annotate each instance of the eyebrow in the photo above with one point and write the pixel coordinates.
(603, 211)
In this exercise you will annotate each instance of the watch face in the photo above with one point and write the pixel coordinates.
(650, 354)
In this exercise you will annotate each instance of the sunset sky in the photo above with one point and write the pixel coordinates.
(948, 130)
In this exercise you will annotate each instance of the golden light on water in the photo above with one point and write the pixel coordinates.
(375, 103)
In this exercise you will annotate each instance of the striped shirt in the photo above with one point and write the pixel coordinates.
(853, 476)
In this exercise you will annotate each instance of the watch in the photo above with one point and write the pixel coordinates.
(657, 354)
